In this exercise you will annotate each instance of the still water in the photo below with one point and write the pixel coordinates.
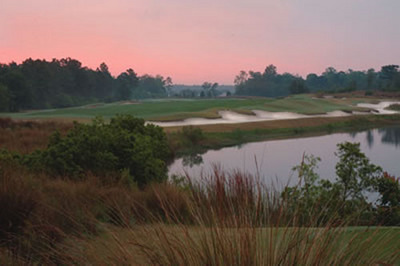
(273, 160)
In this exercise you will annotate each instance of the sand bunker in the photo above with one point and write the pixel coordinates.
(379, 108)
(229, 117)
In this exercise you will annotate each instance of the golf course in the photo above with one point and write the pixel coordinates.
(179, 109)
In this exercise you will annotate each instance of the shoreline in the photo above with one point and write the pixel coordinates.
(226, 135)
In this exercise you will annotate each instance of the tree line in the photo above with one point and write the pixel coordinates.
(271, 84)
(40, 84)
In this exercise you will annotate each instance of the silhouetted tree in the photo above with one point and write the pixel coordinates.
(298, 86)
(126, 81)
(150, 86)
(168, 85)
(390, 77)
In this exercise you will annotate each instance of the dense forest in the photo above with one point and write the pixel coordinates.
(38, 84)
(271, 84)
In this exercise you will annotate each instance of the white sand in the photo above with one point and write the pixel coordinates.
(229, 117)
(380, 107)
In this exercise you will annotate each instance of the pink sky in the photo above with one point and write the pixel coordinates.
(208, 40)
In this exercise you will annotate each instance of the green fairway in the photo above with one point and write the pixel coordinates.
(177, 109)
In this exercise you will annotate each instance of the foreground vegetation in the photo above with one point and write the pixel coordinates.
(103, 217)
(231, 220)
(125, 144)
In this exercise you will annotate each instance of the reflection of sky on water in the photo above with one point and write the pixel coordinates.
(274, 159)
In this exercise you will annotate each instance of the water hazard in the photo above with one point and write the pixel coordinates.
(273, 160)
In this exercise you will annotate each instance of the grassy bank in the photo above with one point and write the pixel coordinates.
(218, 136)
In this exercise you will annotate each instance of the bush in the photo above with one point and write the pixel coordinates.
(101, 148)
(389, 203)
(193, 135)
(342, 200)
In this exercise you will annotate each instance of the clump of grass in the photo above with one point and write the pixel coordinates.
(238, 221)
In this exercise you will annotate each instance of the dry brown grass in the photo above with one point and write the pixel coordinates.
(39, 213)
(234, 224)
(225, 219)
(26, 136)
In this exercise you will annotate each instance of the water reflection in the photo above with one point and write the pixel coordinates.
(273, 160)
(370, 139)
(353, 134)
(387, 135)
(390, 135)
(192, 160)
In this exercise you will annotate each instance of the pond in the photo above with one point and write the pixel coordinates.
(273, 160)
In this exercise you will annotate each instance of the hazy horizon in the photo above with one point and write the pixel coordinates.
(197, 41)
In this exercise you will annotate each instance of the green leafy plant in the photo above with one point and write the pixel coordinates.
(389, 204)
(101, 148)
(343, 199)
(192, 135)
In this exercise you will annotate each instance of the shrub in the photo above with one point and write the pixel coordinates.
(193, 135)
(389, 203)
(342, 200)
(355, 173)
(101, 148)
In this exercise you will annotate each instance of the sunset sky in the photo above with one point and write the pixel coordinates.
(204, 40)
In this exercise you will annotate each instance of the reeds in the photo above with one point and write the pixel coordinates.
(238, 221)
